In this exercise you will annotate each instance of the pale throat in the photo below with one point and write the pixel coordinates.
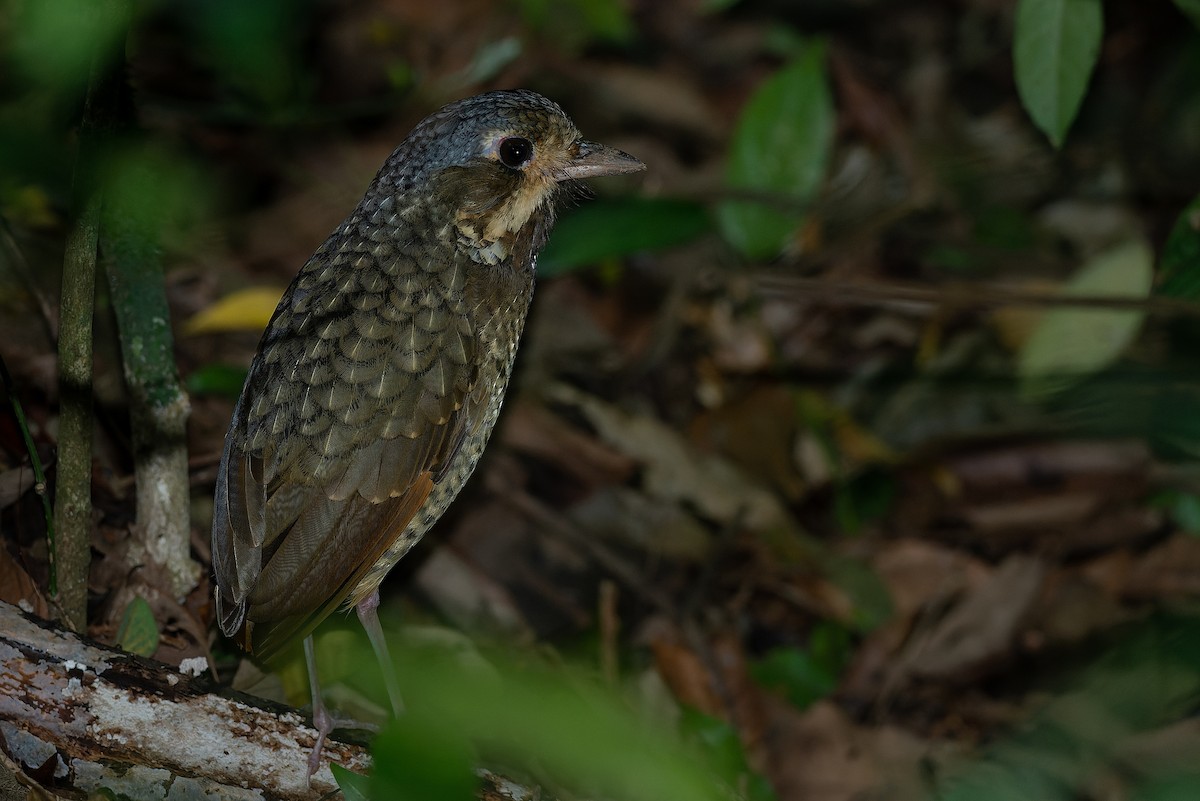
(492, 233)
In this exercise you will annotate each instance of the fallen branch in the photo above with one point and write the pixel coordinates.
(70, 708)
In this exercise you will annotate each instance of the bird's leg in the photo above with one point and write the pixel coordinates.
(368, 615)
(322, 721)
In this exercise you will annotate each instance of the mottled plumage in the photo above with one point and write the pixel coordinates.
(382, 372)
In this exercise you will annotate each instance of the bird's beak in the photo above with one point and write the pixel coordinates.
(593, 159)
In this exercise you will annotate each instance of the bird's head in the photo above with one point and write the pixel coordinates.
(496, 161)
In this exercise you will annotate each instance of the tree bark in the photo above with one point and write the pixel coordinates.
(77, 715)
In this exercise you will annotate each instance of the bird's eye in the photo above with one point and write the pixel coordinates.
(515, 152)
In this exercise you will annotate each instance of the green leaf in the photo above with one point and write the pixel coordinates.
(609, 229)
(569, 728)
(354, 787)
(1191, 8)
(871, 602)
(417, 759)
(1183, 507)
(56, 40)
(1071, 343)
(1055, 47)
(807, 675)
(138, 633)
(573, 23)
(222, 380)
(1184, 787)
(491, 58)
(724, 753)
(1179, 267)
(255, 48)
(863, 499)
(781, 149)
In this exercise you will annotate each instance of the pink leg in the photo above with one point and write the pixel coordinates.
(322, 722)
(368, 615)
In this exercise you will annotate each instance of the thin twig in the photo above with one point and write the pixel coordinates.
(961, 296)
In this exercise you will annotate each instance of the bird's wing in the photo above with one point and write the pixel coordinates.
(364, 389)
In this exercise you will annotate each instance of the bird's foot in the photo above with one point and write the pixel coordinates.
(325, 724)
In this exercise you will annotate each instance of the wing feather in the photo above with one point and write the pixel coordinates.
(336, 443)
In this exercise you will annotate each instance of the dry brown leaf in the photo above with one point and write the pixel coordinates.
(624, 515)
(18, 589)
(980, 629)
(920, 574)
(683, 671)
(1170, 570)
(533, 429)
(13, 484)
(468, 597)
(675, 471)
(818, 754)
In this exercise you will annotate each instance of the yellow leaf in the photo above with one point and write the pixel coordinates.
(29, 206)
(245, 310)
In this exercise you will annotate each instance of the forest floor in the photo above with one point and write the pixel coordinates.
(817, 498)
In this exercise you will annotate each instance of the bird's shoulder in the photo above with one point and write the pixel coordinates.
(371, 343)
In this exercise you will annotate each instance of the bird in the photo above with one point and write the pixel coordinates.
(381, 374)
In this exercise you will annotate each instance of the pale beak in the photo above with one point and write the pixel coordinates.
(594, 159)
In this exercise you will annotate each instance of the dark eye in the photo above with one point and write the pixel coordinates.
(515, 152)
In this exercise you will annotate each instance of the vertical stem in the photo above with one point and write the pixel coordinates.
(158, 404)
(70, 551)
(130, 230)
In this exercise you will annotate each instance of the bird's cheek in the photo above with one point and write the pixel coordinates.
(514, 213)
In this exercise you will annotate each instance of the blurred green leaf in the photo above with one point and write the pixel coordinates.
(871, 604)
(780, 149)
(864, 498)
(1004, 227)
(353, 786)
(1055, 47)
(1191, 8)
(1161, 405)
(158, 186)
(724, 753)
(951, 258)
(1147, 680)
(1184, 787)
(1179, 267)
(607, 229)
(221, 380)
(490, 59)
(56, 40)
(255, 48)
(574, 23)
(401, 75)
(138, 633)
(1070, 343)
(568, 727)
(1183, 507)
(416, 758)
(807, 675)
